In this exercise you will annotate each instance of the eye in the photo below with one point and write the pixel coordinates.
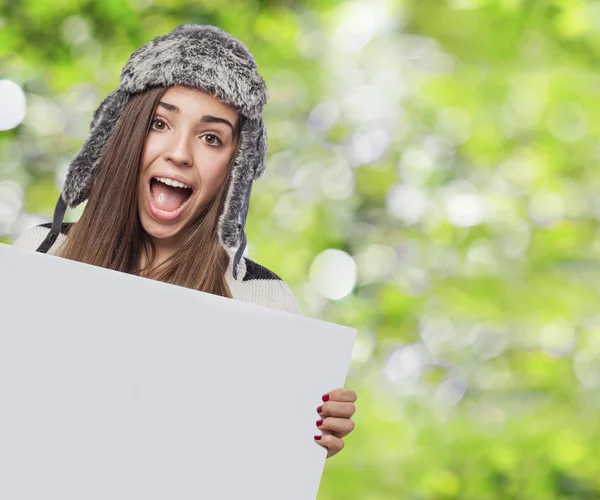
(212, 140)
(158, 124)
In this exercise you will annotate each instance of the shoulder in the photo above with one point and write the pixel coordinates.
(33, 237)
(261, 286)
(254, 271)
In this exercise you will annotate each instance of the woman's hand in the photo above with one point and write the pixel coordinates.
(335, 412)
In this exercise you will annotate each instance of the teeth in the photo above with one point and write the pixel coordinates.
(171, 182)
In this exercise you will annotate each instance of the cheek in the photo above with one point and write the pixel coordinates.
(152, 148)
(213, 174)
(220, 173)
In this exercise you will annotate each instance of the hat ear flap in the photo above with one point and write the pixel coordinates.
(261, 151)
(252, 152)
(83, 167)
(249, 165)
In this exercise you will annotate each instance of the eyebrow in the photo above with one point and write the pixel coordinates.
(204, 119)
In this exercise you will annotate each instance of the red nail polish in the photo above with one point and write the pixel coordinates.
(325, 398)
(318, 438)
(319, 423)
(319, 409)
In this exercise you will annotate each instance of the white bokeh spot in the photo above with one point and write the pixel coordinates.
(13, 105)
(333, 274)
(407, 203)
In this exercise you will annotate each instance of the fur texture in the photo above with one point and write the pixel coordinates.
(204, 57)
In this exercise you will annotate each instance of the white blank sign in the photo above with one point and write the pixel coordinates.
(118, 387)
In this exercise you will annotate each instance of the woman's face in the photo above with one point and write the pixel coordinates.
(185, 161)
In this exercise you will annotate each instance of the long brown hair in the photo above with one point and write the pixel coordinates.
(109, 233)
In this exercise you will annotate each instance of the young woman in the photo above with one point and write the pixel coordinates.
(167, 170)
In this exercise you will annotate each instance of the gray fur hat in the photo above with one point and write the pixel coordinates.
(204, 57)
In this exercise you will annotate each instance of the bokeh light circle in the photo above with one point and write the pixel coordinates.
(333, 274)
(13, 105)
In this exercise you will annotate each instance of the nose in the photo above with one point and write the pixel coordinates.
(178, 151)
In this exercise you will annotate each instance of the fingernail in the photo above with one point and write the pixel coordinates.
(325, 398)
(319, 409)
(318, 438)
(319, 423)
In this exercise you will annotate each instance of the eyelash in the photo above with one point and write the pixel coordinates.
(213, 134)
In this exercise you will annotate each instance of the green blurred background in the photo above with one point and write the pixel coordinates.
(431, 181)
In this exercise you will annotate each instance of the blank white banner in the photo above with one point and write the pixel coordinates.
(118, 387)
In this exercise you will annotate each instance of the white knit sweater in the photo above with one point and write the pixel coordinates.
(255, 283)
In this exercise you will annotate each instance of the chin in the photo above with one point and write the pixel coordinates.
(160, 231)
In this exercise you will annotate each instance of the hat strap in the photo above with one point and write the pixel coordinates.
(244, 241)
(52, 236)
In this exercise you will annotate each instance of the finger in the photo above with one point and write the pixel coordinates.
(341, 395)
(341, 427)
(333, 444)
(335, 409)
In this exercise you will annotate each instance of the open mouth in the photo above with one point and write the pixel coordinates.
(169, 197)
